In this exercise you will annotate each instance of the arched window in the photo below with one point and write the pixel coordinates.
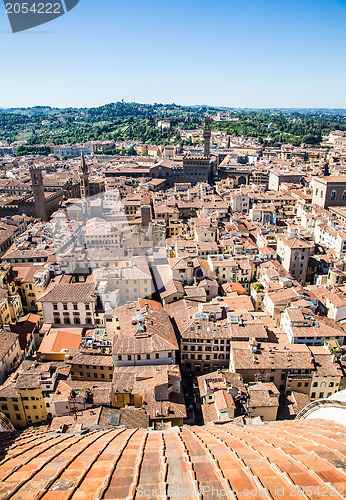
(333, 195)
(344, 195)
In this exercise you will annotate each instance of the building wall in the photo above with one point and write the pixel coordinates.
(159, 358)
(13, 409)
(34, 405)
(268, 413)
(10, 361)
(299, 384)
(51, 315)
(322, 193)
(92, 372)
(322, 387)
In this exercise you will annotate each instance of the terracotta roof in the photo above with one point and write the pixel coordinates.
(24, 328)
(113, 463)
(263, 394)
(271, 356)
(70, 292)
(57, 341)
(158, 335)
(7, 339)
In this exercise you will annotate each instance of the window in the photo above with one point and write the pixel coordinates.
(64, 307)
(299, 384)
(313, 394)
(315, 384)
(331, 384)
(148, 356)
(129, 357)
(333, 195)
(157, 355)
(55, 307)
(88, 374)
(321, 394)
(344, 195)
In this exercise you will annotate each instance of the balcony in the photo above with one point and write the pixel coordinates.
(299, 376)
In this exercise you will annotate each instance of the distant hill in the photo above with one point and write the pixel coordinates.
(130, 121)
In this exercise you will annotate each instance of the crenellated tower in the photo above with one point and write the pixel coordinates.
(207, 137)
(38, 192)
(84, 179)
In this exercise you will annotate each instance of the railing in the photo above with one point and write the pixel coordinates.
(320, 403)
(6, 424)
(299, 376)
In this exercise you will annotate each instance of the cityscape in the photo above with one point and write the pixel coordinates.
(172, 250)
(196, 281)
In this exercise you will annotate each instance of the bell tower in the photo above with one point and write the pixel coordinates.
(38, 192)
(84, 179)
(207, 136)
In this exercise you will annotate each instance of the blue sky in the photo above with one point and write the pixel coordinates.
(247, 53)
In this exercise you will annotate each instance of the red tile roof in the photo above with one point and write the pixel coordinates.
(118, 463)
(57, 341)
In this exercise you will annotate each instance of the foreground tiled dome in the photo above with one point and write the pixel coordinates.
(181, 463)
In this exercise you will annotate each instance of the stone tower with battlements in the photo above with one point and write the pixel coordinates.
(38, 192)
(84, 179)
(207, 136)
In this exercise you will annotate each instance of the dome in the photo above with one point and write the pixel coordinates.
(331, 408)
(211, 461)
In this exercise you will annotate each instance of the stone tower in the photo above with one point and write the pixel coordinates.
(84, 179)
(207, 136)
(38, 191)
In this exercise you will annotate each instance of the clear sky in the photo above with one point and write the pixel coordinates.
(237, 53)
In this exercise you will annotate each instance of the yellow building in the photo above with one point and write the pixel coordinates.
(156, 389)
(5, 313)
(26, 396)
(29, 389)
(175, 228)
(22, 401)
(29, 281)
(328, 377)
(11, 405)
(90, 367)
